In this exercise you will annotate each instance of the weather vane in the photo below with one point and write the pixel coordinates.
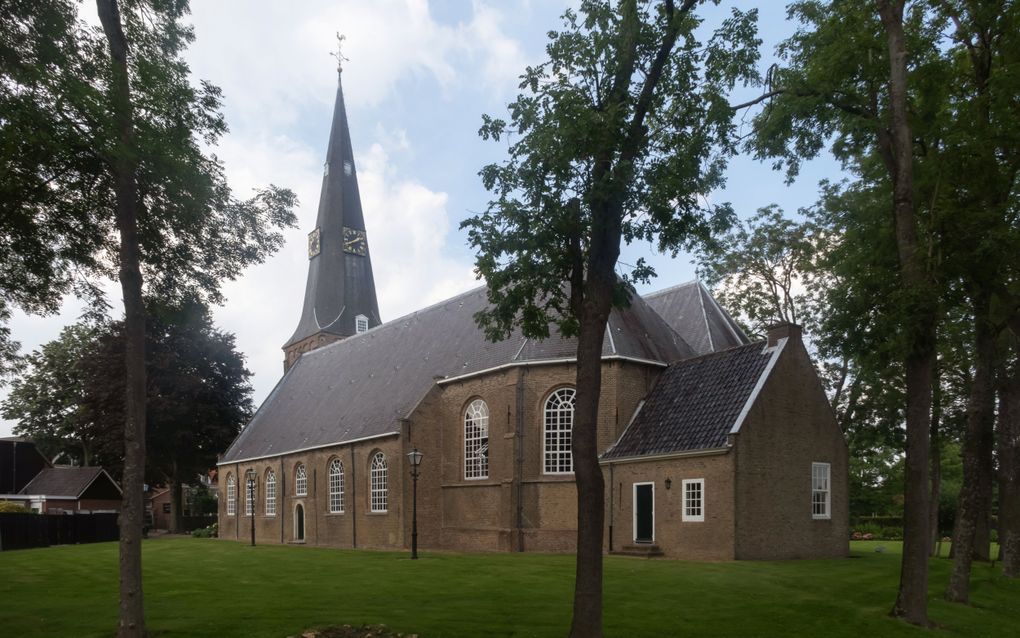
(340, 59)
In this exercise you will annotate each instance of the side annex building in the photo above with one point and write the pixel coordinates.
(714, 447)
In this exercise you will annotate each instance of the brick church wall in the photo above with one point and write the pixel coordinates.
(711, 539)
(789, 427)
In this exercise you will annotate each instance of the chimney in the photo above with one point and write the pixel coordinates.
(782, 330)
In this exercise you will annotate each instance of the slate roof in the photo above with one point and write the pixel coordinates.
(695, 403)
(340, 286)
(694, 314)
(360, 387)
(62, 481)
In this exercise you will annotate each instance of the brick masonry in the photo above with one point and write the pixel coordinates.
(757, 495)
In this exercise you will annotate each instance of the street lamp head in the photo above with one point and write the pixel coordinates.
(414, 457)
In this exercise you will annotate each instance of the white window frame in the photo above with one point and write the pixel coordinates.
(336, 486)
(821, 484)
(559, 415)
(633, 506)
(360, 324)
(476, 441)
(687, 515)
(379, 484)
(270, 493)
(231, 495)
(300, 480)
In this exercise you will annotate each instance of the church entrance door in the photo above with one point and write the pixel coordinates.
(299, 523)
(644, 512)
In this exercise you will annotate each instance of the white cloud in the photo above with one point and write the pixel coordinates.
(407, 227)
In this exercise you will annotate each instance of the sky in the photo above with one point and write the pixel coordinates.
(418, 77)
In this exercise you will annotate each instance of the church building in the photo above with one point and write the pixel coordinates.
(713, 447)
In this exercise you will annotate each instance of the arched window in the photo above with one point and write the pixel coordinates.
(336, 487)
(300, 480)
(231, 495)
(249, 492)
(270, 493)
(476, 440)
(378, 483)
(361, 324)
(559, 419)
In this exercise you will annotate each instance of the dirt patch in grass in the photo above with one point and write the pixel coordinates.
(348, 631)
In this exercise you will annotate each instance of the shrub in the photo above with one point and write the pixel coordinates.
(206, 532)
(892, 533)
(867, 530)
(10, 507)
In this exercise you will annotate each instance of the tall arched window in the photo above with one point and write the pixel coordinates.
(559, 419)
(249, 492)
(231, 495)
(336, 487)
(270, 493)
(476, 440)
(379, 488)
(300, 480)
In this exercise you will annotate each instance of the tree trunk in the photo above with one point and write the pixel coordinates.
(935, 452)
(977, 454)
(124, 164)
(896, 147)
(1008, 432)
(587, 614)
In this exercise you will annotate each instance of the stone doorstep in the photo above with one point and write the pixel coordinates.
(643, 550)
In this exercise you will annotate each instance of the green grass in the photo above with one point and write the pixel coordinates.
(204, 587)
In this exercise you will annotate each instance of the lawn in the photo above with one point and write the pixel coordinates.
(206, 587)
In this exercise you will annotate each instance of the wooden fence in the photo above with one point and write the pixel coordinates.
(22, 531)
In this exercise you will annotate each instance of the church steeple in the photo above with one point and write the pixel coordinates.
(340, 293)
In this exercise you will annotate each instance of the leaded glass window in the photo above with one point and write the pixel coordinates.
(559, 419)
(476, 440)
(378, 485)
(336, 487)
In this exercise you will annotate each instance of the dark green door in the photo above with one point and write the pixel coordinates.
(299, 522)
(643, 513)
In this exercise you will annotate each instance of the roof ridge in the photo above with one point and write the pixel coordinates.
(393, 322)
(669, 289)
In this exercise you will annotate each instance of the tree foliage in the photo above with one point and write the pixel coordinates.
(58, 144)
(70, 399)
(618, 136)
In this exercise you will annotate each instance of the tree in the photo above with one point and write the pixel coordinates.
(845, 81)
(198, 392)
(758, 268)
(102, 138)
(70, 401)
(50, 401)
(622, 131)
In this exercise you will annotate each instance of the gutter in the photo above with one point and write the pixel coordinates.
(669, 455)
(547, 362)
(307, 449)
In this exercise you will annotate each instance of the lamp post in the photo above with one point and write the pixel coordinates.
(414, 457)
(251, 505)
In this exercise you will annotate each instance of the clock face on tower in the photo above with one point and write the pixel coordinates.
(314, 243)
(355, 242)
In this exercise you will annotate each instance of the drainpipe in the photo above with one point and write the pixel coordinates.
(237, 501)
(354, 501)
(315, 499)
(611, 508)
(281, 500)
(519, 465)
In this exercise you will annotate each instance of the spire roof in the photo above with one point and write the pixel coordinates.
(340, 285)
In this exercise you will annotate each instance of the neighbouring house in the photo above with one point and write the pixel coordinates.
(714, 447)
(64, 489)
